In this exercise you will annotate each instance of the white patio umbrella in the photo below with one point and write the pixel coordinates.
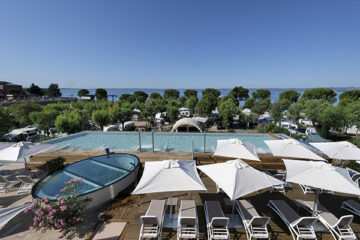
(6, 214)
(234, 148)
(320, 175)
(17, 152)
(339, 150)
(291, 148)
(237, 179)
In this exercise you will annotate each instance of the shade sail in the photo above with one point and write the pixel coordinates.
(237, 179)
(339, 150)
(169, 176)
(291, 148)
(320, 175)
(234, 148)
(17, 152)
(6, 214)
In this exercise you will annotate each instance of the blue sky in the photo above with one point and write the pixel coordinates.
(181, 44)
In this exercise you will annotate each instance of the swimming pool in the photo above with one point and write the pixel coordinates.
(103, 178)
(172, 142)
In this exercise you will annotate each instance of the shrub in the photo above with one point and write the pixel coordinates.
(271, 127)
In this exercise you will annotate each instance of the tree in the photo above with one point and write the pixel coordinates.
(83, 92)
(69, 122)
(352, 95)
(6, 121)
(153, 106)
(44, 119)
(204, 107)
(294, 111)
(171, 93)
(261, 94)
(181, 101)
(249, 103)
(155, 95)
(261, 106)
(276, 111)
(101, 117)
(101, 94)
(35, 90)
(354, 114)
(121, 115)
(21, 112)
(191, 103)
(188, 93)
(227, 109)
(140, 96)
(320, 93)
(211, 92)
(314, 108)
(172, 113)
(127, 97)
(291, 95)
(239, 93)
(53, 90)
(331, 118)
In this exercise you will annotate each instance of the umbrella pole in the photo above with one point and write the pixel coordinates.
(233, 207)
(316, 201)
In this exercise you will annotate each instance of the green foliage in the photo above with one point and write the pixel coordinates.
(36, 90)
(6, 121)
(171, 93)
(155, 95)
(314, 108)
(69, 122)
(352, 95)
(227, 109)
(140, 96)
(101, 117)
(204, 106)
(276, 111)
(153, 106)
(353, 114)
(44, 119)
(249, 103)
(261, 106)
(290, 95)
(188, 93)
(320, 93)
(14, 91)
(214, 93)
(21, 112)
(101, 94)
(118, 114)
(182, 101)
(239, 93)
(83, 92)
(261, 94)
(172, 113)
(191, 103)
(271, 127)
(294, 111)
(53, 90)
(128, 97)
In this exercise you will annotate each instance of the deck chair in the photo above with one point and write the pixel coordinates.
(352, 206)
(26, 183)
(300, 227)
(307, 189)
(255, 225)
(5, 184)
(339, 228)
(188, 226)
(356, 178)
(152, 222)
(216, 223)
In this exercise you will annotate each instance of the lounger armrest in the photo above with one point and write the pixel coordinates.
(304, 221)
(149, 220)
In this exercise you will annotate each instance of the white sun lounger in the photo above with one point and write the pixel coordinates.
(5, 184)
(152, 222)
(188, 226)
(255, 225)
(26, 183)
(308, 189)
(339, 228)
(352, 206)
(216, 223)
(300, 227)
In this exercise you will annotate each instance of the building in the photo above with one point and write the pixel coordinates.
(9, 91)
(183, 111)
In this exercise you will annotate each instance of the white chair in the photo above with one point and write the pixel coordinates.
(188, 226)
(26, 183)
(152, 222)
(216, 223)
(5, 184)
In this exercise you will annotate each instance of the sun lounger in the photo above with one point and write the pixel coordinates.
(356, 178)
(152, 222)
(26, 183)
(188, 226)
(339, 228)
(352, 206)
(216, 223)
(300, 227)
(5, 184)
(255, 225)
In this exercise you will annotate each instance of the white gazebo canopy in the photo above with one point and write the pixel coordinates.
(291, 148)
(187, 122)
(237, 179)
(169, 176)
(339, 150)
(234, 148)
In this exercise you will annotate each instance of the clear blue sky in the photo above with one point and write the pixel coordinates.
(181, 44)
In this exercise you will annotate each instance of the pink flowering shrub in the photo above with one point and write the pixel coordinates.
(61, 214)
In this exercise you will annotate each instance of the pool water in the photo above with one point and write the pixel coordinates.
(97, 172)
(171, 142)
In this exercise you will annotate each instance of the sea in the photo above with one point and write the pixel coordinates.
(115, 93)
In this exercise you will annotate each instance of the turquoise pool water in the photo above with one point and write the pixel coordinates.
(172, 142)
(97, 172)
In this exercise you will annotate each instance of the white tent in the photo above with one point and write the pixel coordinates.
(291, 148)
(235, 148)
(169, 176)
(339, 150)
(237, 179)
(17, 152)
(320, 175)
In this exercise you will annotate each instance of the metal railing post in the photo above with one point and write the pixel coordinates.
(152, 132)
(139, 140)
(204, 141)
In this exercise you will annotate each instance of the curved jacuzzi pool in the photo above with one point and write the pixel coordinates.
(103, 178)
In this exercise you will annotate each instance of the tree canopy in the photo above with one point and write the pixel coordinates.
(188, 93)
(320, 93)
(291, 95)
(69, 122)
(171, 93)
(101, 117)
(239, 94)
(53, 90)
(83, 92)
(140, 96)
(352, 95)
(101, 94)
(227, 109)
(261, 94)
(36, 90)
(21, 112)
